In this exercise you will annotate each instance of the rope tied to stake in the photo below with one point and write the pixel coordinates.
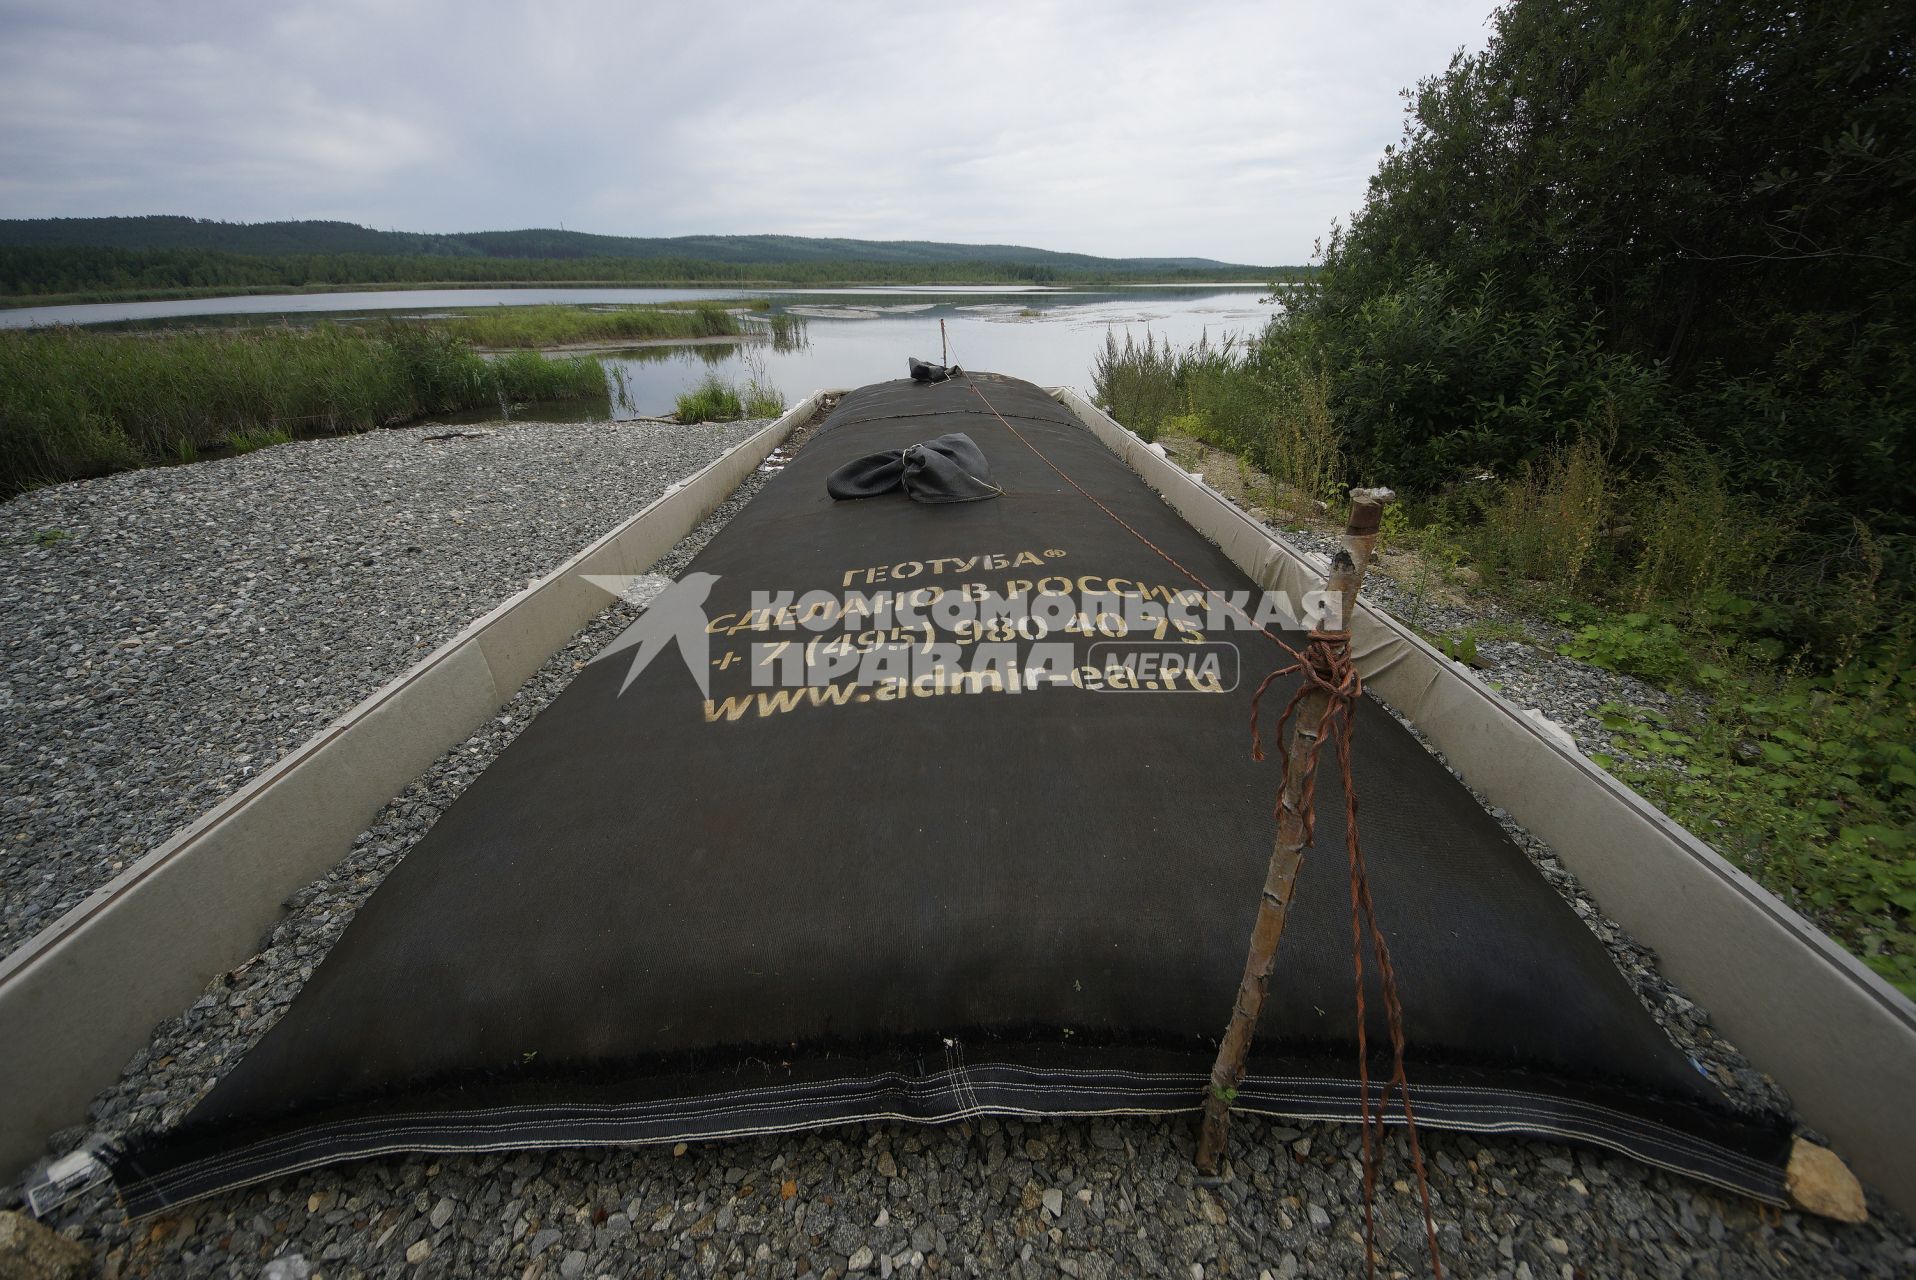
(1327, 668)
(1326, 665)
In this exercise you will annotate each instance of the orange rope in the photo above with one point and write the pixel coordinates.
(1326, 665)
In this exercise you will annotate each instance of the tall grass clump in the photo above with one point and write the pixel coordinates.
(1269, 406)
(1546, 524)
(788, 332)
(527, 375)
(711, 401)
(1695, 536)
(762, 399)
(76, 403)
(1303, 450)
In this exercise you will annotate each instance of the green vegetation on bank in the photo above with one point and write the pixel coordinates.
(716, 400)
(77, 403)
(48, 276)
(555, 326)
(1663, 389)
(713, 400)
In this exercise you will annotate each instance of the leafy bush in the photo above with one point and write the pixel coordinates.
(1635, 644)
(1741, 270)
(1809, 784)
(1432, 381)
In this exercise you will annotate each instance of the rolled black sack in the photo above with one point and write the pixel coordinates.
(949, 469)
(921, 371)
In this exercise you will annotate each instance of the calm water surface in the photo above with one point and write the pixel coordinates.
(851, 336)
(1051, 339)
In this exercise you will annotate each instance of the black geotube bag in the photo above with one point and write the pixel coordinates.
(662, 916)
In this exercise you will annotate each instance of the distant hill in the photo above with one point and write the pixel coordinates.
(282, 239)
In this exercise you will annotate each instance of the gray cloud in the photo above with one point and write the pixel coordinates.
(1230, 130)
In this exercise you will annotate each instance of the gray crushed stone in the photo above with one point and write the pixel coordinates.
(1528, 671)
(1084, 1199)
(168, 632)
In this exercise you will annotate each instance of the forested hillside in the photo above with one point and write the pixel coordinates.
(325, 238)
(108, 256)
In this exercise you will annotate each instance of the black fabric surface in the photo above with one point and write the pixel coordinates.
(898, 906)
(948, 469)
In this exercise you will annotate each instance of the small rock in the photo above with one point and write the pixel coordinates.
(1054, 1202)
(420, 1251)
(1821, 1183)
(441, 1213)
(861, 1260)
(32, 1252)
(887, 1166)
(1319, 1219)
(290, 1266)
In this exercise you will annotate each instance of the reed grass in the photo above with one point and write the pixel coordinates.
(711, 401)
(788, 332)
(762, 399)
(553, 326)
(76, 402)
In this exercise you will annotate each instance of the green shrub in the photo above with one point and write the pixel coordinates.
(1137, 383)
(1635, 644)
(1808, 783)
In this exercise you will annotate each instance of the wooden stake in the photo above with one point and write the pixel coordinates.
(944, 347)
(1287, 856)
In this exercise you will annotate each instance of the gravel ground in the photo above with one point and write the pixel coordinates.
(990, 1197)
(168, 631)
(1528, 671)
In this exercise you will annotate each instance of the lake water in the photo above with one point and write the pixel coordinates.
(1050, 339)
(851, 336)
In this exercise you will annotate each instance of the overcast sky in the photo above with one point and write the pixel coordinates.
(1225, 130)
